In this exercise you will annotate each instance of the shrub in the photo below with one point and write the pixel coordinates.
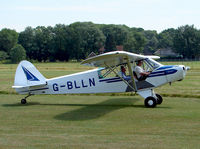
(3, 55)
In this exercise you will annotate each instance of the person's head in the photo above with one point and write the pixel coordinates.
(139, 63)
(123, 69)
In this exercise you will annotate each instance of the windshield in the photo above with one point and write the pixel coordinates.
(152, 63)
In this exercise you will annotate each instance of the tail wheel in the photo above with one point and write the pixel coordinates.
(150, 102)
(23, 101)
(159, 99)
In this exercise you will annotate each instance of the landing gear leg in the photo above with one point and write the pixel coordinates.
(23, 101)
(159, 99)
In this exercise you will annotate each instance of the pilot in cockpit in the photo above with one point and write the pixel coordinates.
(139, 71)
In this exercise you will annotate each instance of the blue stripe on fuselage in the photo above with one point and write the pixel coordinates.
(153, 74)
(166, 67)
(161, 73)
(110, 79)
(116, 79)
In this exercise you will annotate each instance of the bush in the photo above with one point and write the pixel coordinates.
(3, 55)
(17, 53)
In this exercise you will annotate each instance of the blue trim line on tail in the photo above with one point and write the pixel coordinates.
(29, 75)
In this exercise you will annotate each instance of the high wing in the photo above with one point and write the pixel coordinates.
(114, 58)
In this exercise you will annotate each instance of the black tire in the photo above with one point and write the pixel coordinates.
(159, 99)
(150, 102)
(23, 101)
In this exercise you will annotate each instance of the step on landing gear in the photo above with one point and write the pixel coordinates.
(23, 101)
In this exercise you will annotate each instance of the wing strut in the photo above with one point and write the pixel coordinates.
(119, 76)
(131, 74)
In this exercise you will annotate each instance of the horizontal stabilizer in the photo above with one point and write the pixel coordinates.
(20, 87)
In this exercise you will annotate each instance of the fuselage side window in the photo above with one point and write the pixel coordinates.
(108, 73)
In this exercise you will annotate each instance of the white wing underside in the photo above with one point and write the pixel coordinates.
(114, 58)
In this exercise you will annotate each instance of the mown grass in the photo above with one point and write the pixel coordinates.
(96, 121)
(51, 121)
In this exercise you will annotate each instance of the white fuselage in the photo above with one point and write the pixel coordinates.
(90, 82)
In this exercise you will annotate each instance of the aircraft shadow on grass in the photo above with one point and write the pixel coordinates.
(94, 111)
(88, 111)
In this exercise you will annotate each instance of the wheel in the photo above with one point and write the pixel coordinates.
(150, 102)
(159, 99)
(23, 101)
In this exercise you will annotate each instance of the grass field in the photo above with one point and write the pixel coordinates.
(94, 121)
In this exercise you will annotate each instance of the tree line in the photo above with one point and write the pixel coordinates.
(77, 40)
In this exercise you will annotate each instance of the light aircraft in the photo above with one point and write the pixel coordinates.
(104, 79)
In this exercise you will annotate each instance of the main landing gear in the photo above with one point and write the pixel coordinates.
(23, 101)
(151, 101)
(150, 98)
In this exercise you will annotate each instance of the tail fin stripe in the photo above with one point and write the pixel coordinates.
(29, 75)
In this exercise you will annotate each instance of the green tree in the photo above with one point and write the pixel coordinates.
(130, 44)
(61, 40)
(140, 42)
(17, 53)
(42, 41)
(135, 41)
(27, 40)
(115, 35)
(3, 55)
(87, 38)
(37, 42)
(151, 42)
(8, 39)
(187, 41)
(165, 38)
